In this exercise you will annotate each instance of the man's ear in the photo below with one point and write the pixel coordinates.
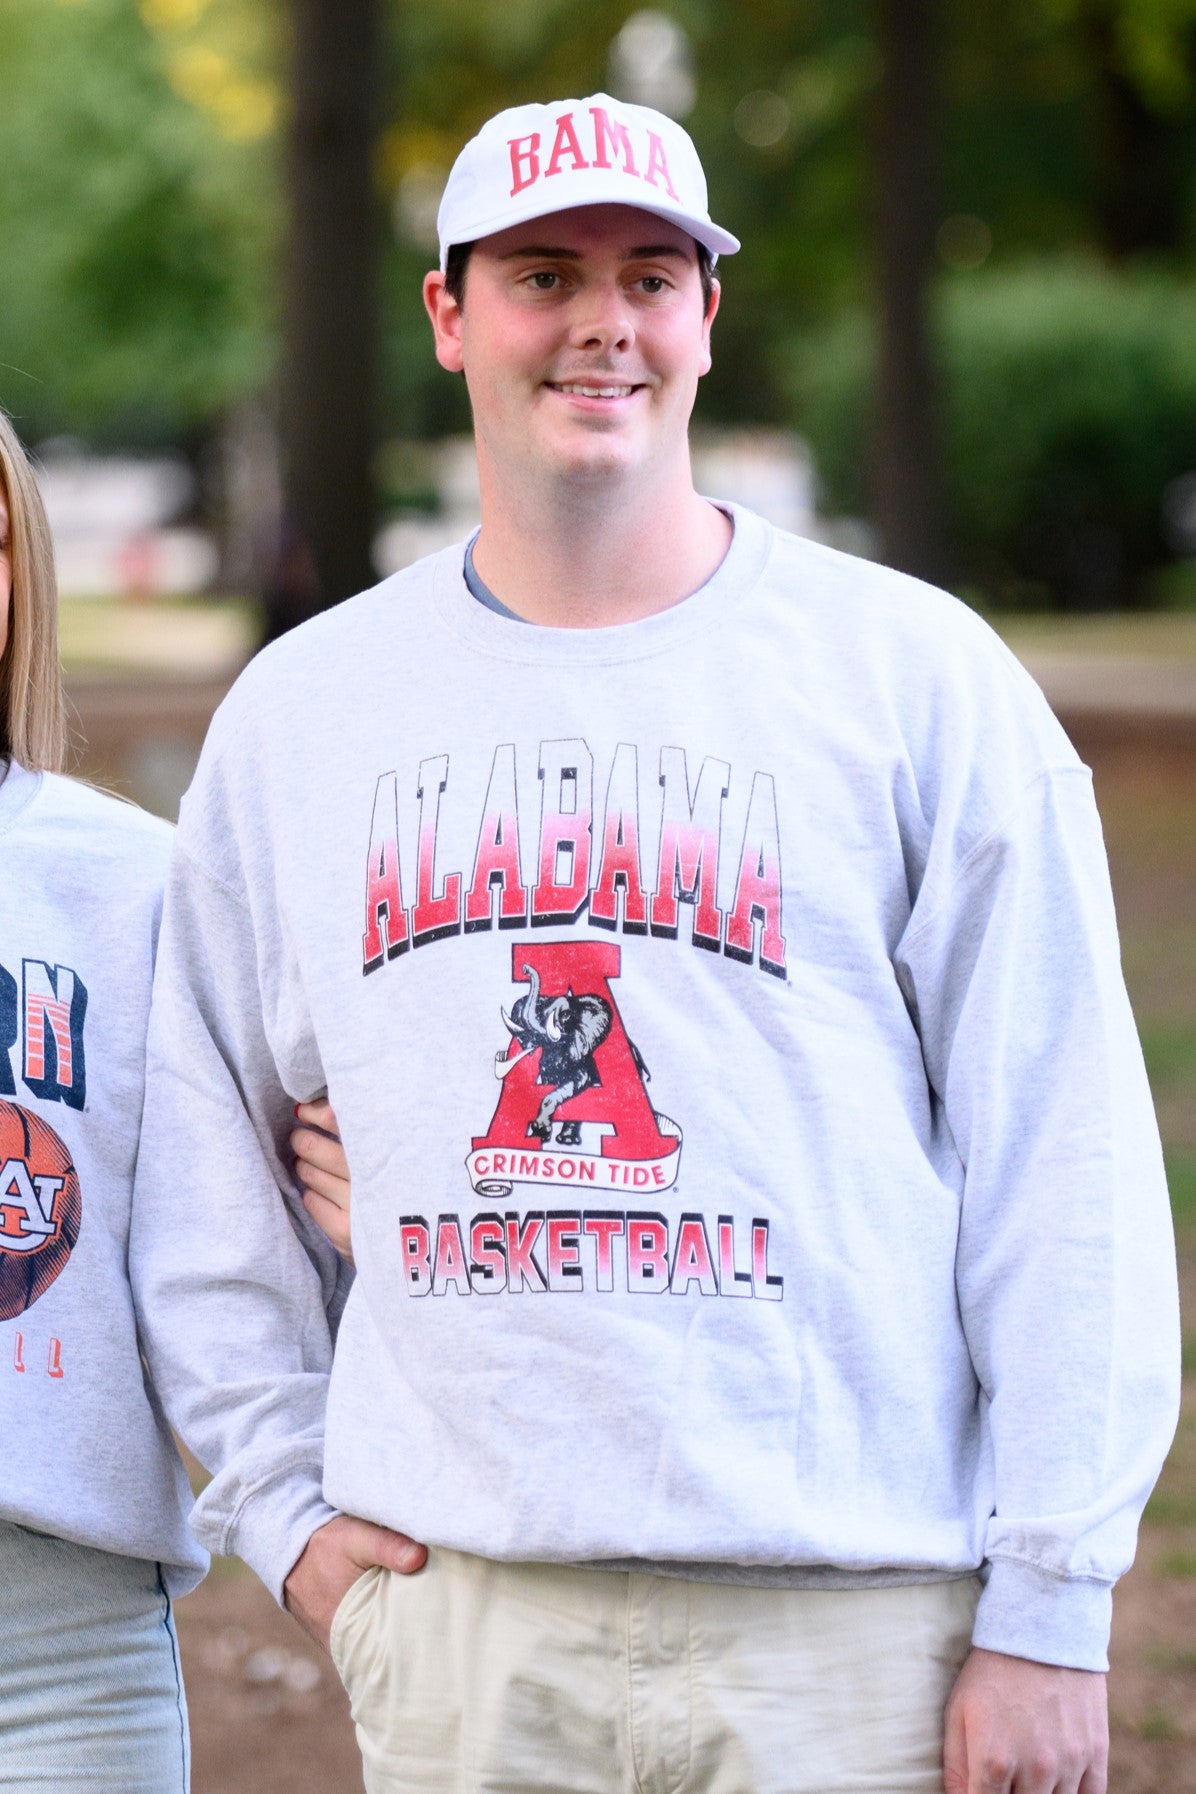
(445, 314)
(716, 293)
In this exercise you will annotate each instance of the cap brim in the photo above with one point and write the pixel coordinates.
(711, 236)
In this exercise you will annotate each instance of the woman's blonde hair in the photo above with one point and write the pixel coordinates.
(32, 715)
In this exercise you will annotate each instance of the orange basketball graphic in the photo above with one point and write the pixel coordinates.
(41, 1207)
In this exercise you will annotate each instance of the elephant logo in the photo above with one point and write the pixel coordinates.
(567, 1031)
(573, 1106)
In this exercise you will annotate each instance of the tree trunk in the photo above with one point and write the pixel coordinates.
(328, 376)
(906, 466)
(1139, 158)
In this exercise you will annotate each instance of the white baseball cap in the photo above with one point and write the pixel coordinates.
(532, 160)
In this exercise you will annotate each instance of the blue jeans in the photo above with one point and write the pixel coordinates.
(91, 1698)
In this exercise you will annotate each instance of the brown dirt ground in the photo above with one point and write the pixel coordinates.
(268, 1716)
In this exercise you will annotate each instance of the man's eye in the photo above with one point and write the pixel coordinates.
(653, 283)
(544, 280)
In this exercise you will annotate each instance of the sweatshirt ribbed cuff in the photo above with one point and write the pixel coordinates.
(270, 1527)
(1026, 1612)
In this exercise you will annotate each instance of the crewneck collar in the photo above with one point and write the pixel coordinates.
(18, 787)
(511, 638)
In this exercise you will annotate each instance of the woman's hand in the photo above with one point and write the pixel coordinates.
(323, 1171)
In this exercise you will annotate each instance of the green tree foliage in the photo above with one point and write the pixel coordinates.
(1056, 105)
(137, 203)
(141, 179)
(785, 96)
(781, 89)
(1070, 404)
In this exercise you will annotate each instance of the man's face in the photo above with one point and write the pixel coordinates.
(582, 340)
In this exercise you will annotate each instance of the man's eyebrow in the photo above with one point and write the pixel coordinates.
(542, 249)
(648, 252)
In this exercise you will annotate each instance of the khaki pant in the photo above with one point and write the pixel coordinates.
(477, 1676)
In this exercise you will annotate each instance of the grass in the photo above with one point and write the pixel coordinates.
(1178, 1566)
(133, 632)
(1157, 1725)
(1181, 1181)
(197, 636)
(1173, 1503)
(1171, 1507)
(1161, 635)
(1165, 1657)
(1170, 1050)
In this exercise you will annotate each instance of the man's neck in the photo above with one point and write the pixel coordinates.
(583, 560)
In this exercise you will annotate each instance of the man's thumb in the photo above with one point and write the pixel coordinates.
(397, 1552)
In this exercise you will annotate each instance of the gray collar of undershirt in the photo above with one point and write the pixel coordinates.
(481, 590)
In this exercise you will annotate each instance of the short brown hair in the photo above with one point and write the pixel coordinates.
(32, 714)
(456, 267)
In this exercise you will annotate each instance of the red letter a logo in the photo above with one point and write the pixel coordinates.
(570, 1060)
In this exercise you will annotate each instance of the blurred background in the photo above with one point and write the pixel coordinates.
(960, 338)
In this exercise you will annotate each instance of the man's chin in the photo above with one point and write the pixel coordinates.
(595, 454)
(595, 472)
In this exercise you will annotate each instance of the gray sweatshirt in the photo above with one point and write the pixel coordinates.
(87, 1455)
(753, 1160)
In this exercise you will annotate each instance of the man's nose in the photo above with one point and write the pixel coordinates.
(604, 320)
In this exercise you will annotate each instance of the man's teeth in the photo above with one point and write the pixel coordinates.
(598, 392)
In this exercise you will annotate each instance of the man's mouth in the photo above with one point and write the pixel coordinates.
(576, 389)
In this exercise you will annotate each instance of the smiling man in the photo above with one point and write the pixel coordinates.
(588, 348)
(765, 1305)
(587, 332)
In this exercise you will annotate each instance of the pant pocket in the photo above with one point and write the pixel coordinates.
(351, 1607)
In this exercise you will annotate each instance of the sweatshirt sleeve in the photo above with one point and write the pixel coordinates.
(236, 1290)
(1065, 1267)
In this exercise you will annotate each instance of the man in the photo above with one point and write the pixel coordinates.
(765, 1303)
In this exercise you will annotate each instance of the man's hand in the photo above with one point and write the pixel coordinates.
(1016, 1727)
(323, 1170)
(334, 1557)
